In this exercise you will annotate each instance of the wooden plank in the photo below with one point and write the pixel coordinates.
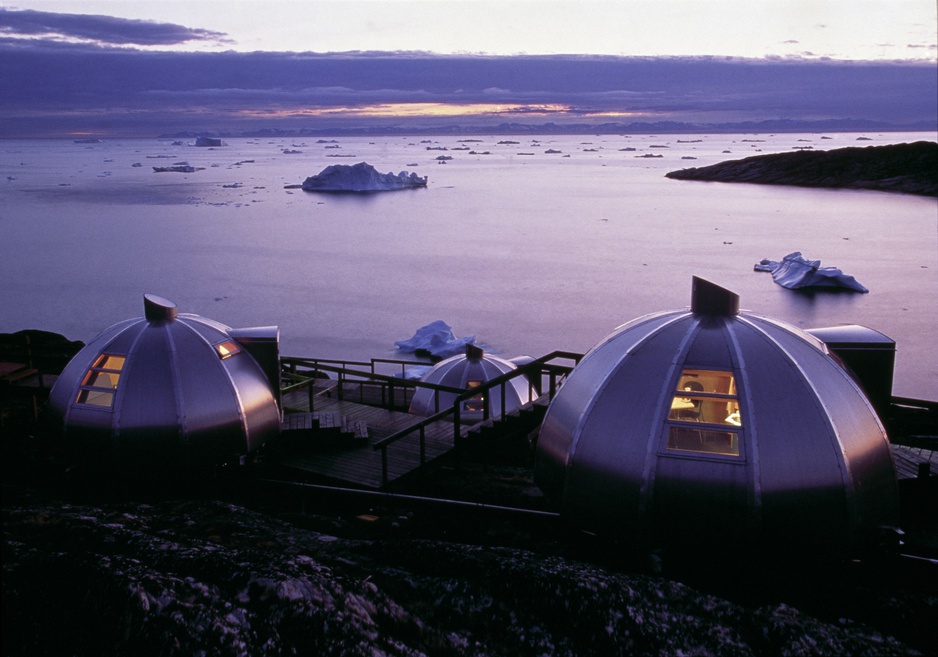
(908, 460)
(362, 466)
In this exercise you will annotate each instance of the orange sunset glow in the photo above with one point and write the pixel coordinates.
(430, 110)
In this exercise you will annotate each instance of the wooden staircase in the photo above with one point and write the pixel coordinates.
(321, 430)
(516, 424)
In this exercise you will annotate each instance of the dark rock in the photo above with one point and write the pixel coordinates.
(207, 577)
(904, 168)
(46, 351)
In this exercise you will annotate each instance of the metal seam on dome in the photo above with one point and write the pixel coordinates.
(659, 422)
(850, 492)
(748, 429)
(177, 391)
(594, 398)
(232, 386)
(141, 325)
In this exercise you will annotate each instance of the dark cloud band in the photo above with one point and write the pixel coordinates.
(84, 87)
(99, 29)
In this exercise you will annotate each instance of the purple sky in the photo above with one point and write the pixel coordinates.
(69, 74)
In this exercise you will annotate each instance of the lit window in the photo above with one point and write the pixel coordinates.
(476, 402)
(227, 349)
(704, 415)
(100, 381)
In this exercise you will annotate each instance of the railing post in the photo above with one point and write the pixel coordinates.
(384, 465)
(503, 399)
(423, 446)
(456, 435)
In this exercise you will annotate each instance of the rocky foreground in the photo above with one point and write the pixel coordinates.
(903, 168)
(203, 576)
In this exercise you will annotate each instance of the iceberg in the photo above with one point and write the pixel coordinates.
(178, 168)
(435, 340)
(206, 142)
(795, 272)
(361, 177)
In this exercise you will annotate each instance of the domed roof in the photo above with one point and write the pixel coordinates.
(167, 388)
(465, 371)
(720, 426)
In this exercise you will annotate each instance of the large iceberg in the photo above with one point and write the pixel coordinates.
(435, 340)
(794, 271)
(361, 177)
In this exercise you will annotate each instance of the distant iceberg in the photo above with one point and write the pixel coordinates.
(208, 141)
(361, 177)
(795, 272)
(178, 168)
(435, 340)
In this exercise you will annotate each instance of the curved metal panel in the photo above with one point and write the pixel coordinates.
(177, 399)
(457, 372)
(809, 459)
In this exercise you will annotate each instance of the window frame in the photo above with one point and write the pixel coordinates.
(734, 429)
(89, 394)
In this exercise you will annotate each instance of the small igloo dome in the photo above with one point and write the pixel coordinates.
(170, 389)
(716, 428)
(465, 371)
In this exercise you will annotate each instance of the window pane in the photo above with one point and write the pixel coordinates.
(109, 362)
(95, 397)
(101, 379)
(477, 402)
(703, 441)
(702, 409)
(227, 349)
(720, 383)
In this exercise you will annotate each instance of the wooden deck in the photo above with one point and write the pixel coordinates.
(908, 460)
(357, 464)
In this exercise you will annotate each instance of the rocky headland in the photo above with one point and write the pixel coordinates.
(902, 168)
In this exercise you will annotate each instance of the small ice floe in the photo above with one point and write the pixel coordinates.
(796, 272)
(435, 340)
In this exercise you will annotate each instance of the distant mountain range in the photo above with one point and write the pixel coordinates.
(552, 128)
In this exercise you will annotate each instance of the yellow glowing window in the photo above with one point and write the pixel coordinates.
(704, 415)
(227, 349)
(476, 402)
(101, 380)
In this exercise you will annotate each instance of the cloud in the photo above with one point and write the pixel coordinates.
(98, 29)
(53, 88)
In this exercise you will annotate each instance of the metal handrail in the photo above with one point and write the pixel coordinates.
(542, 367)
(363, 377)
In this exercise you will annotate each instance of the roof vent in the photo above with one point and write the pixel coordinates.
(157, 308)
(710, 299)
(473, 352)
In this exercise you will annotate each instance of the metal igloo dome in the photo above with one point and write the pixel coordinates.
(170, 389)
(466, 371)
(716, 428)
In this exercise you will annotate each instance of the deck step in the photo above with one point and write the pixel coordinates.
(524, 419)
(322, 430)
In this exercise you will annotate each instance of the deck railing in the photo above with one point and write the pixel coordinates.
(305, 373)
(536, 372)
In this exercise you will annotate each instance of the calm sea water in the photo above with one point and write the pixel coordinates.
(528, 251)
